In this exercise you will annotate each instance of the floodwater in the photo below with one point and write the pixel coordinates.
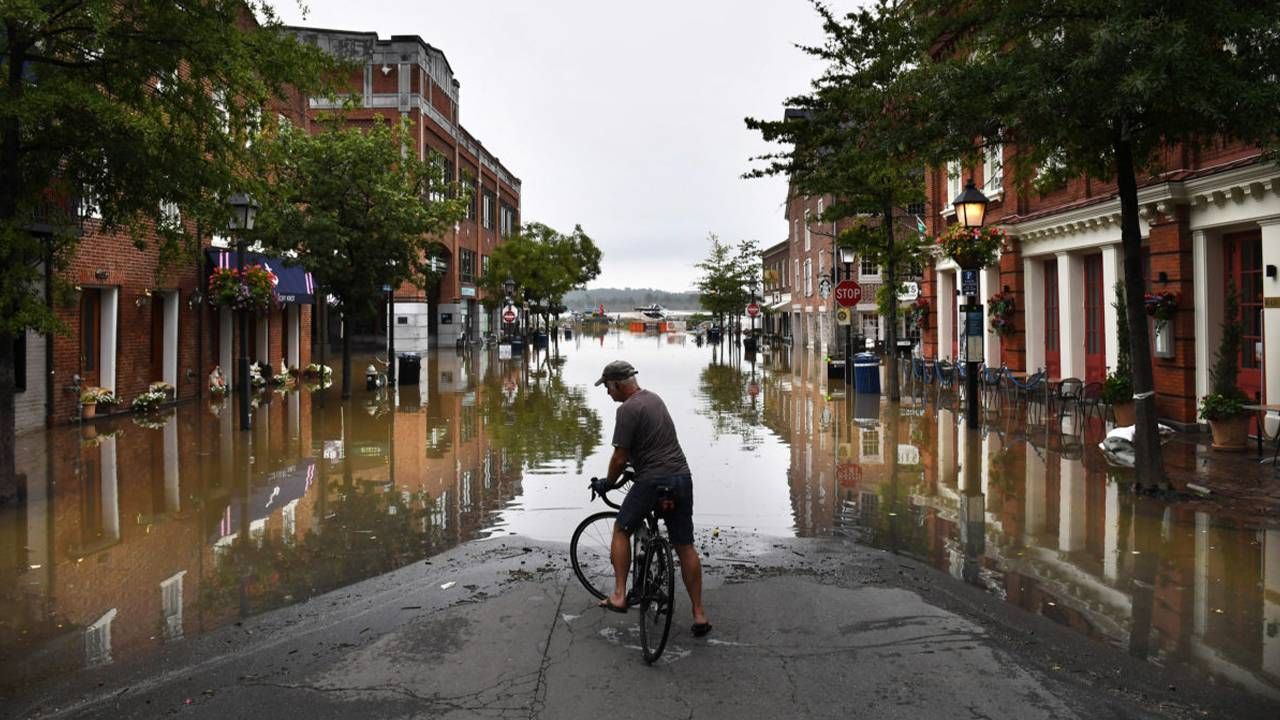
(130, 533)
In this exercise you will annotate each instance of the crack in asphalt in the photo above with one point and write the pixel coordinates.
(506, 689)
(540, 690)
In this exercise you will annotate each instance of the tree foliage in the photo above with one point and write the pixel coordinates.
(545, 265)
(358, 214)
(856, 137)
(730, 277)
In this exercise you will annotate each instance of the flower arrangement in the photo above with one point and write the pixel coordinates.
(256, 378)
(918, 312)
(1000, 311)
(217, 382)
(153, 421)
(162, 387)
(97, 439)
(97, 396)
(971, 248)
(149, 400)
(254, 289)
(1161, 305)
(316, 370)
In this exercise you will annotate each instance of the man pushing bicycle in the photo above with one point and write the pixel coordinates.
(644, 437)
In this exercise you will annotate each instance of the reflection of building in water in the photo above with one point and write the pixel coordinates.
(126, 535)
(796, 407)
(1063, 539)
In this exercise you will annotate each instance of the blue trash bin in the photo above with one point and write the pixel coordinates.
(866, 373)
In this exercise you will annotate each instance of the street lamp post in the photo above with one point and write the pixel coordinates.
(243, 211)
(971, 208)
(846, 257)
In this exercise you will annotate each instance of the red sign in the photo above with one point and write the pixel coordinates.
(848, 293)
(753, 309)
(849, 475)
(508, 314)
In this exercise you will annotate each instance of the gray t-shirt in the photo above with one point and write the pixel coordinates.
(645, 429)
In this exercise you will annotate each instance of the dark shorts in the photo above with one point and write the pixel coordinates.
(644, 495)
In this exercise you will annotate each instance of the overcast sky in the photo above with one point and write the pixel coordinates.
(625, 119)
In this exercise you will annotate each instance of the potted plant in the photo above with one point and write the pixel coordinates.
(217, 382)
(1117, 388)
(92, 397)
(1223, 407)
(1162, 306)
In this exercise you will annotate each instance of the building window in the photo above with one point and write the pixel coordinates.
(870, 325)
(467, 265)
(808, 236)
(486, 209)
(484, 265)
(993, 170)
(473, 197)
(507, 220)
(955, 183)
(868, 268)
(808, 277)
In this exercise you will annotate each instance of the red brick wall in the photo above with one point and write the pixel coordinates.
(1013, 348)
(1175, 379)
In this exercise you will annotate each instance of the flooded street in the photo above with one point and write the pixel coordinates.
(130, 533)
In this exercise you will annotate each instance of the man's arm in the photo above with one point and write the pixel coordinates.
(617, 463)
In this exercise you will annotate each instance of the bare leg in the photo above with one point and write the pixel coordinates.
(691, 573)
(620, 554)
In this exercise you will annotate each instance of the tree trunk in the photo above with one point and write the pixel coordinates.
(891, 321)
(1148, 456)
(346, 356)
(8, 424)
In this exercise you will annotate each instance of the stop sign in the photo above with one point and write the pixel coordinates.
(753, 309)
(848, 293)
(508, 314)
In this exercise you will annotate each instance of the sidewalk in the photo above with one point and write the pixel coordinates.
(501, 629)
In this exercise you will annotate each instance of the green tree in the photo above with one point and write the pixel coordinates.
(126, 104)
(853, 137)
(728, 274)
(358, 213)
(1101, 88)
(545, 265)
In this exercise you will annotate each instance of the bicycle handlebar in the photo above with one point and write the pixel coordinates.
(600, 487)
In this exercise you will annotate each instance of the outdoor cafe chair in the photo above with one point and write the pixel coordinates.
(1090, 401)
(992, 379)
(1068, 393)
(1029, 389)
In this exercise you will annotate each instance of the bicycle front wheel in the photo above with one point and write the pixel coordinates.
(657, 599)
(589, 551)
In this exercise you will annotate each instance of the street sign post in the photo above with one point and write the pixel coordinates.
(968, 282)
(509, 314)
(848, 293)
(844, 316)
(753, 309)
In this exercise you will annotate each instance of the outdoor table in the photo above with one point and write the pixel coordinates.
(1260, 416)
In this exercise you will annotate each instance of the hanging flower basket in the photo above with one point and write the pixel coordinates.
(255, 289)
(1000, 311)
(971, 249)
(1161, 305)
(918, 313)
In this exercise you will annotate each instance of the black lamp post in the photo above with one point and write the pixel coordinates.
(971, 208)
(846, 257)
(243, 211)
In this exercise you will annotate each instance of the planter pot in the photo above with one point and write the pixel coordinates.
(1231, 433)
(1126, 413)
(88, 410)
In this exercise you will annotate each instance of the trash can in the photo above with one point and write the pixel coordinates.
(408, 368)
(568, 334)
(835, 369)
(866, 373)
(540, 340)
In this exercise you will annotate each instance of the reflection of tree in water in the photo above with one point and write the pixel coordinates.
(542, 422)
(732, 412)
(367, 532)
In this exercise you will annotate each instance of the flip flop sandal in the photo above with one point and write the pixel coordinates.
(700, 629)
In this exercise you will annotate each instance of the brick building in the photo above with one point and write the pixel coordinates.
(404, 77)
(1209, 218)
(776, 260)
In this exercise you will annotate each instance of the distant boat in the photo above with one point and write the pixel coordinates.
(655, 311)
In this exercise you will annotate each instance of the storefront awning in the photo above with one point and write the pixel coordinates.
(293, 283)
(784, 303)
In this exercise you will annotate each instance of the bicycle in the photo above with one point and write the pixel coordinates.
(652, 564)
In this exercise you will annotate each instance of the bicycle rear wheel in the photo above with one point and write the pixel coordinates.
(657, 599)
(589, 553)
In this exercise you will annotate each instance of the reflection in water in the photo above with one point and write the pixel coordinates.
(130, 533)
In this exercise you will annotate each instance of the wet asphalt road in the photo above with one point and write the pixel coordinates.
(502, 629)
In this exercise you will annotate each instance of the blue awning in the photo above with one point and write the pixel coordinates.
(293, 283)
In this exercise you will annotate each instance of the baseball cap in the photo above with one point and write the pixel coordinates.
(616, 370)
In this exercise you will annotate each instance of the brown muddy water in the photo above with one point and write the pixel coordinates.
(128, 533)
